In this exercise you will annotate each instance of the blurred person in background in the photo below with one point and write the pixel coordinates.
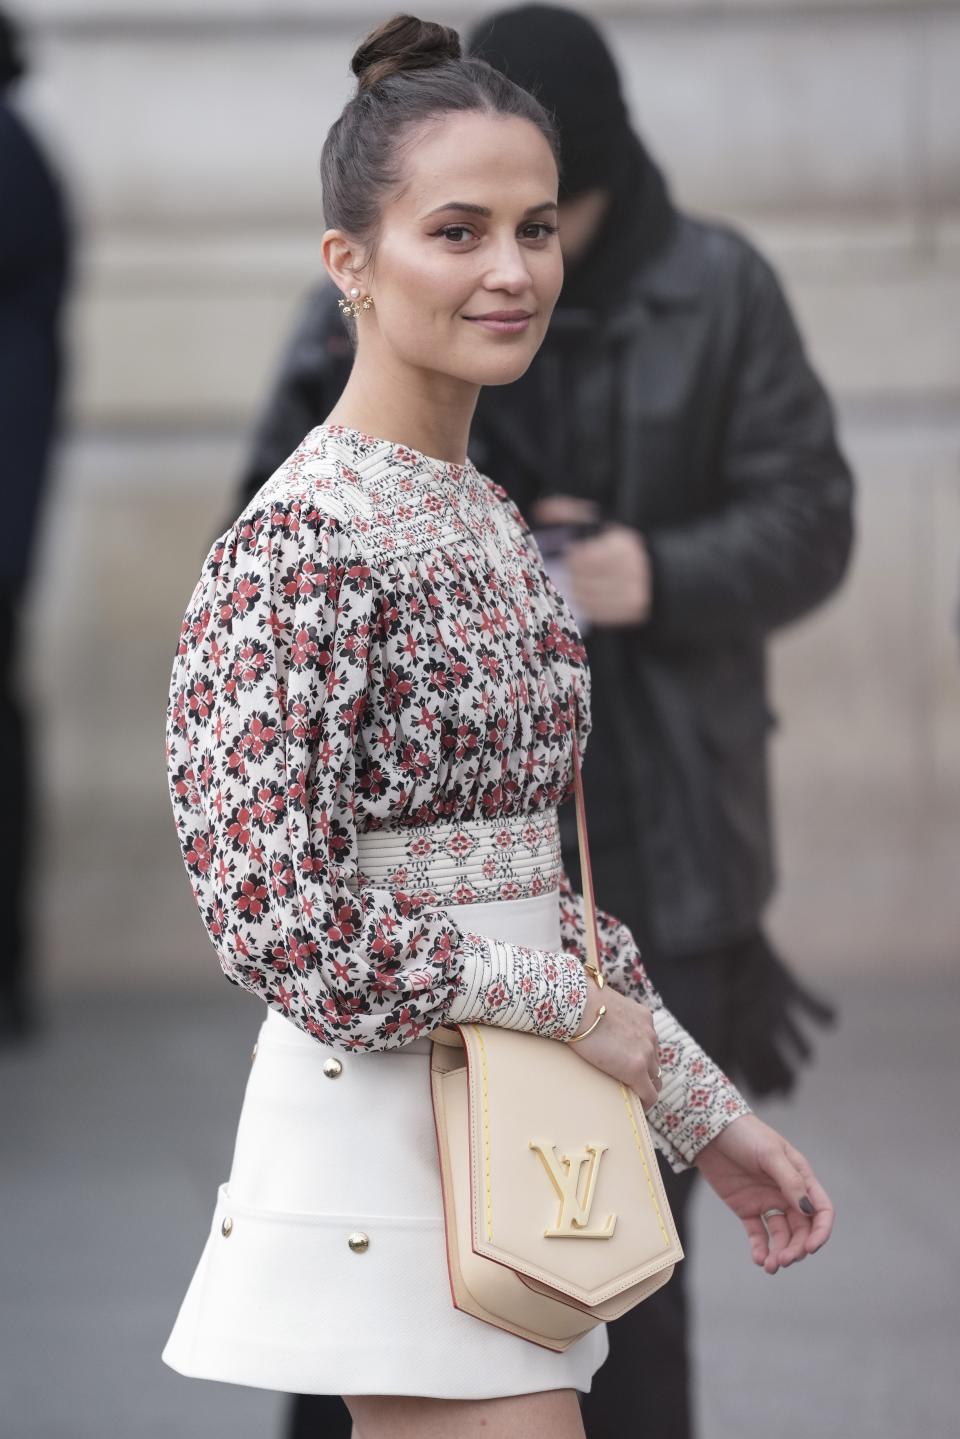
(34, 251)
(677, 454)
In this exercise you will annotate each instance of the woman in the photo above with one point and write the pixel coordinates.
(369, 733)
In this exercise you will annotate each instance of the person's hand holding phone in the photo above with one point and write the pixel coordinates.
(601, 569)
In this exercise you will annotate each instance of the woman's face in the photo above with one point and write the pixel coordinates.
(467, 266)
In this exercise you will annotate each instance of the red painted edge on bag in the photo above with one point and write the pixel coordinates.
(443, 1193)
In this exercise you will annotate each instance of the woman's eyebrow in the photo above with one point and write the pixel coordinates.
(464, 208)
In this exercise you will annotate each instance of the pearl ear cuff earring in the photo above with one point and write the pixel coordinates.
(355, 305)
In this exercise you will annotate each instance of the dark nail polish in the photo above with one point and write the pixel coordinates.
(806, 1206)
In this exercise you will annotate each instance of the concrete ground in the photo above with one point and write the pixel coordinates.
(117, 1125)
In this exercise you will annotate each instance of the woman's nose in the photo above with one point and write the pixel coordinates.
(509, 271)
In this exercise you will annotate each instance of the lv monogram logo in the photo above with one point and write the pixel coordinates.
(565, 1172)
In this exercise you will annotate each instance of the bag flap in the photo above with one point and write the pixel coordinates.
(491, 1292)
(565, 1185)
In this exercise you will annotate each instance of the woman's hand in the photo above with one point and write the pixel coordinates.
(624, 1043)
(753, 1168)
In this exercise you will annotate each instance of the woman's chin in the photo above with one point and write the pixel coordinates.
(503, 369)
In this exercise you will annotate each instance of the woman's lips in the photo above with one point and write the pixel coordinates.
(502, 322)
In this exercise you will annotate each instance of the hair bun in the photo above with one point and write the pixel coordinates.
(403, 43)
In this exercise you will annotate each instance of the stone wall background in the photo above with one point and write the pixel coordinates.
(189, 133)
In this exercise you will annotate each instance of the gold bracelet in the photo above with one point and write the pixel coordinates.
(597, 974)
(576, 1038)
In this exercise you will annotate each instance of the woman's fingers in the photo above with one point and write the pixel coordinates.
(776, 1242)
(645, 1054)
(793, 1229)
(778, 1228)
(789, 1178)
(653, 1082)
(648, 1092)
(759, 1241)
(821, 1221)
(822, 1226)
(796, 1250)
(809, 1221)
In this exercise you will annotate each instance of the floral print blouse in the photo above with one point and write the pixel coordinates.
(374, 642)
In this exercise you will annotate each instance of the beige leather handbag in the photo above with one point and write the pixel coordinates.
(556, 1216)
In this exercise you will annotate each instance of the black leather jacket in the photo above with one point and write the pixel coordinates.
(690, 412)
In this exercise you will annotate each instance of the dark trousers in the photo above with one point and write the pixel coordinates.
(14, 826)
(644, 1387)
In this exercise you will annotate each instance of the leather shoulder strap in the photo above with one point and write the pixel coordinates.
(591, 937)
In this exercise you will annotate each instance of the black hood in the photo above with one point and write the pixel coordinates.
(562, 58)
(12, 65)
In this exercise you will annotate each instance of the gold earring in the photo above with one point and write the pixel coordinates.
(355, 306)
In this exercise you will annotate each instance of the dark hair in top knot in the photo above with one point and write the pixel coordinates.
(408, 71)
(403, 43)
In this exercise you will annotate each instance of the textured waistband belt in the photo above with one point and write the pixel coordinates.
(464, 861)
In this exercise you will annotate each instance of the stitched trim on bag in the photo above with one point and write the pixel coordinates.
(643, 1160)
(486, 1134)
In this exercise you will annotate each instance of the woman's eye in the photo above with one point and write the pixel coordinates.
(456, 233)
(538, 230)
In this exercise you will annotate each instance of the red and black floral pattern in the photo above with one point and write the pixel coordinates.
(373, 642)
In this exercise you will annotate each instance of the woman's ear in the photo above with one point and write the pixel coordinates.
(342, 259)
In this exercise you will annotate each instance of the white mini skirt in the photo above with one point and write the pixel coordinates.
(325, 1268)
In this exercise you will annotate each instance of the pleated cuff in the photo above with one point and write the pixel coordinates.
(697, 1100)
(515, 987)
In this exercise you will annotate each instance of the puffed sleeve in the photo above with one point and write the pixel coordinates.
(697, 1099)
(268, 694)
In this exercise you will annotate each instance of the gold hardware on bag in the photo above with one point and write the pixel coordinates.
(565, 1171)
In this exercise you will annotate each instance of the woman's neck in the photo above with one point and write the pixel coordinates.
(425, 411)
